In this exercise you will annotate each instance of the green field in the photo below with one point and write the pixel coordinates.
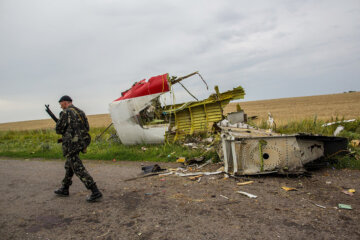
(43, 144)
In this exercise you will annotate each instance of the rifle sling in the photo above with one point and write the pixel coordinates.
(82, 120)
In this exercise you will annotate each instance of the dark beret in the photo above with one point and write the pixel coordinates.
(65, 98)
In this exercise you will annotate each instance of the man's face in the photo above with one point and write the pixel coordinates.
(64, 104)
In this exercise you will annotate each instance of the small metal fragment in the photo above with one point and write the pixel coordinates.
(223, 196)
(247, 194)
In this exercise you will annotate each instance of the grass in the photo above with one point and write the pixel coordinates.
(43, 144)
(315, 126)
(350, 161)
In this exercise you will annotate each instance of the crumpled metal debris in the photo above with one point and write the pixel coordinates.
(139, 117)
(254, 151)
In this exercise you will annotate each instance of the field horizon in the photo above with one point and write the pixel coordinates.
(284, 110)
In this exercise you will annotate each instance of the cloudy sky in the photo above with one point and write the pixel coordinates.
(94, 50)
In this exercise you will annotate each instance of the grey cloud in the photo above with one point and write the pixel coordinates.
(94, 50)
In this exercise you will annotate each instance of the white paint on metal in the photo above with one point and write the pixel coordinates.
(247, 194)
(124, 116)
(284, 154)
(338, 130)
(226, 164)
(332, 123)
(235, 164)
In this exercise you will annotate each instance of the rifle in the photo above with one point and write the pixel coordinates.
(51, 114)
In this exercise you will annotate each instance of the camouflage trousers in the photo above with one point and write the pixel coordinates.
(73, 165)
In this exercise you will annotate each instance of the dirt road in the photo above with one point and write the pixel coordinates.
(173, 207)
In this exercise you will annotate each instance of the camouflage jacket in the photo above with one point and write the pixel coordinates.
(74, 127)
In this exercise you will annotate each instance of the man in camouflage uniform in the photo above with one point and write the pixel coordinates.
(74, 127)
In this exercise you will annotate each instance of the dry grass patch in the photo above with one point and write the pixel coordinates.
(285, 110)
(95, 121)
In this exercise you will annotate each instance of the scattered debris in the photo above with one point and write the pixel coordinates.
(196, 173)
(344, 206)
(203, 165)
(209, 139)
(355, 143)
(247, 194)
(271, 123)
(166, 174)
(148, 171)
(221, 169)
(289, 189)
(328, 182)
(320, 206)
(349, 192)
(195, 160)
(332, 123)
(245, 183)
(155, 169)
(180, 160)
(139, 117)
(152, 168)
(194, 178)
(226, 123)
(98, 136)
(338, 130)
(224, 196)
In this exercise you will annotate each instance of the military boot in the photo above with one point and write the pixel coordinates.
(63, 191)
(95, 194)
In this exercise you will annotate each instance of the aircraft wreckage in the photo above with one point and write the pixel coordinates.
(139, 118)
